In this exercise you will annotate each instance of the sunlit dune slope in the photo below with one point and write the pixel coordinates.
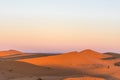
(68, 59)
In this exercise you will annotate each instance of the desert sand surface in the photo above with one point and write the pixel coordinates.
(85, 78)
(83, 65)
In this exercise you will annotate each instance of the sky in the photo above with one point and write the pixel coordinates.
(60, 25)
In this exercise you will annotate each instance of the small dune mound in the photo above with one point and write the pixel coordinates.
(85, 78)
(92, 53)
(9, 53)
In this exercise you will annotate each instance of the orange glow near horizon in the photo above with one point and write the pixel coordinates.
(54, 28)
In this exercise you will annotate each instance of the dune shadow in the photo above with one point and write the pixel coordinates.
(27, 56)
(23, 69)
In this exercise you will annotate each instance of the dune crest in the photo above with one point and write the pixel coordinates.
(92, 53)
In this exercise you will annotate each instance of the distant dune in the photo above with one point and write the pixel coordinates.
(112, 56)
(10, 53)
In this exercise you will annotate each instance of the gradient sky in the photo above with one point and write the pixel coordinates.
(60, 25)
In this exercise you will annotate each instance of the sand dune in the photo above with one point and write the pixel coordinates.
(86, 62)
(112, 56)
(84, 65)
(23, 56)
(71, 60)
(10, 53)
(93, 54)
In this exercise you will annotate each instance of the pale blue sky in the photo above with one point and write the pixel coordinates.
(76, 24)
(61, 8)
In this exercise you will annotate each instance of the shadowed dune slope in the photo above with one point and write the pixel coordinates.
(23, 56)
(112, 56)
(10, 70)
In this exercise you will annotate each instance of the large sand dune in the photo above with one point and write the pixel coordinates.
(84, 65)
(87, 62)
